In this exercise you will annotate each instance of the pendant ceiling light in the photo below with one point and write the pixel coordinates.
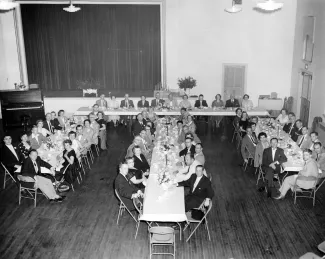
(7, 5)
(234, 8)
(71, 8)
(269, 5)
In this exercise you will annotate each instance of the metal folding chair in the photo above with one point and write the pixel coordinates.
(199, 222)
(250, 157)
(162, 236)
(260, 174)
(90, 152)
(7, 174)
(30, 189)
(122, 208)
(81, 164)
(305, 193)
(236, 132)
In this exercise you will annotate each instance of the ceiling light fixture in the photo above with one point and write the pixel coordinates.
(7, 5)
(234, 8)
(71, 8)
(269, 5)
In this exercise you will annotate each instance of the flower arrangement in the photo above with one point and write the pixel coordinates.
(164, 177)
(49, 145)
(186, 83)
(88, 84)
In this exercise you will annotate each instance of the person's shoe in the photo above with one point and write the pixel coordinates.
(60, 199)
(261, 189)
(278, 197)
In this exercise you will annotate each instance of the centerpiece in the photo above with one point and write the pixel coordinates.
(186, 83)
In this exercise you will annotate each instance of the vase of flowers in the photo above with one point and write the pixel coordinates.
(186, 83)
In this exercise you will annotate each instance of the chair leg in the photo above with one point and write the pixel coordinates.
(137, 228)
(80, 175)
(72, 187)
(207, 227)
(35, 198)
(193, 232)
(78, 180)
(19, 197)
(4, 180)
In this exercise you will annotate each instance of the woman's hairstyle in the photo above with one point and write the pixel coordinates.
(284, 110)
(307, 150)
(262, 134)
(85, 121)
(185, 95)
(72, 133)
(129, 158)
(60, 111)
(218, 95)
(38, 121)
(67, 141)
(238, 109)
(101, 113)
(246, 95)
(22, 134)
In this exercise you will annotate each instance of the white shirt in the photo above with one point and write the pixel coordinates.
(35, 136)
(273, 153)
(196, 182)
(186, 172)
(35, 166)
(251, 138)
(13, 150)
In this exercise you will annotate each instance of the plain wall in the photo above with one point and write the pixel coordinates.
(317, 67)
(201, 36)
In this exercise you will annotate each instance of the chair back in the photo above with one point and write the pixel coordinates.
(138, 206)
(119, 198)
(3, 166)
(161, 235)
(64, 171)
(205, 211)
(310, 178)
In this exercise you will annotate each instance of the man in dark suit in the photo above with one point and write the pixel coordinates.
(297, 131)
(189, 148)
(288, 127)
(55, 122)
(31, 172)
(47, 123)
(200, 189)
(273, 157)
(10, 155)
(200, 103)
(232, 102)
(102, 102)
(126, 103)
(125, 189)
(143, 103)
(248, 145)
(140, 162)
(157, 102)
(138, 125)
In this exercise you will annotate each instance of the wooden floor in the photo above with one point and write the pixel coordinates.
(243, 222)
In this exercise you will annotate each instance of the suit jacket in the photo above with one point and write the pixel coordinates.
(258, 160)
(46, 126)
(197, 103)
(28, 168)
(141, 164)
(203, 189)
(155, 103)
(248, 143)
(320, 159)
(137, 127)
(279, 156)
(99, 103)
(295, 133)
(235, 103)
(123, 104)
(287, 127)
(185, 151)
(145, 105)
(9, 159)
(306, 142)
(125, 189)
(174, 103)
(36, 144)
(56, 124)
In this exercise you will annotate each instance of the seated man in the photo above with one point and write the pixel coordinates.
(314, 139)
(31, 172)
(200, 104)
(95, 111)
(200, 189)
(125, 189)
(157, 102)
(149, 138)
(126, 104)
(36, 140)
(304, 179)
(290, 125)
(189, 148)
(102, 102)
(319, 156)
(179, 127)
(147, 143)
(10, 155)
(138, 125)
(273, 157)
(232, 102)
(296, 131)
(181, 138)
(95, 126)
(248, 145)
(199, 156)
(304, 140)
(140, 162)
(171, 102)
(185, 173)
(143, 103)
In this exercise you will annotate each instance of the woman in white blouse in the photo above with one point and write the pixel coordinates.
(185, 103)
(113, 104)
(246, 103)
(190, 123)
(283, 117)
(42, 130)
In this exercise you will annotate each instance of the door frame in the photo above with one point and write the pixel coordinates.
(223, 77)
(300, 72)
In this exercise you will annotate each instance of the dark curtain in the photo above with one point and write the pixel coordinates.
(117, 45)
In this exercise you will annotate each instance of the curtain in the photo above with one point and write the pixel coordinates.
(116, 45)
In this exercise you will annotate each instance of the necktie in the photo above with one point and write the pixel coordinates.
(35, 166)
(291, 128)
(302, 140)
(317, 157)
(50, 126)
(252, 139)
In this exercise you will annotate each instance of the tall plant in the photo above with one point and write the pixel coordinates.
(186, 83)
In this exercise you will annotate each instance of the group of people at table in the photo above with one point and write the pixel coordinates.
(50, 155)
(267, 154)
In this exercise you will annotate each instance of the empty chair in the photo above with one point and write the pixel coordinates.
(7, 176)
(162, 236)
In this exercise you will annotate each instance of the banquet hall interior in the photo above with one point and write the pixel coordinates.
(162, 129)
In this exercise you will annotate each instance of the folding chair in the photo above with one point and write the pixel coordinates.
(260, 174)
(30, 189)
(122, 208)
(305, 193)
(7, 174)
(84, 156)
(250, 156)
(236, 132)
(162, 236)
(90, 152)
(96, 149)
(81, 164)
(199, 222)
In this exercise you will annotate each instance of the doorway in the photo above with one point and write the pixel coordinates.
(305, 96)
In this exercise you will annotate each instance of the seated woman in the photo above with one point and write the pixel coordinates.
(76, 145)
(283, 117)
(62, 119)
(24, 147)
(246, 103)
(190, 123)
(243, 123)
(69, 157)
(135, 175)
(113, 104)
(152, 115)
(217, 104)
(41, 130)
(152, 128)
(102, 130)
(140, 161)
(261, 145)
(185, 103)
(88, 132)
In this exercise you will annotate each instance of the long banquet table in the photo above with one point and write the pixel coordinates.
(84, 111)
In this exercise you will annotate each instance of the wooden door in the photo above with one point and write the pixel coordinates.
(234, 78)
(305, 97)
